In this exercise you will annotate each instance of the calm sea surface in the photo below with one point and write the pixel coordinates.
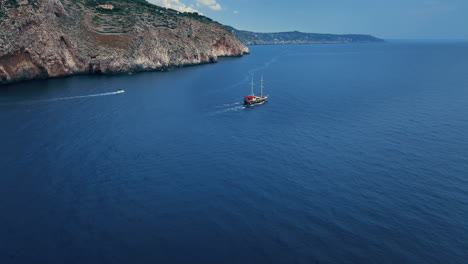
(360, 156)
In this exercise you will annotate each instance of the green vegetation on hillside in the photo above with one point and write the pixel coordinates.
(4, 6)
(140, 6)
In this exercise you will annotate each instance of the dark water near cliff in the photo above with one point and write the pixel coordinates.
(360, 156)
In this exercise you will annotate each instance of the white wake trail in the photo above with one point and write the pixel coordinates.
(227, 105)
(85, 96)
(228, 108)
(65, 98)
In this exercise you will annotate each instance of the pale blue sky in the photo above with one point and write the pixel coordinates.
(397, 19)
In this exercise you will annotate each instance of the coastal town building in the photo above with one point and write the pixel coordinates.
(108, 7)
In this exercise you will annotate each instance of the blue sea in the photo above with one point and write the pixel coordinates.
(360, 155)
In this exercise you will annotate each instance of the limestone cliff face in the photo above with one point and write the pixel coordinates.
(52, 38)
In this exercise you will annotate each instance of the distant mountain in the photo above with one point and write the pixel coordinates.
(296, 37)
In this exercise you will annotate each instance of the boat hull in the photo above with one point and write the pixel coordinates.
(254, 101)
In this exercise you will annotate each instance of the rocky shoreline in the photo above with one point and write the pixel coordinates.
(56, 38)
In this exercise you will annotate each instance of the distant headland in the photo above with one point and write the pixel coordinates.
(296, 37)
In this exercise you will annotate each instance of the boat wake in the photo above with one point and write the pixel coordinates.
(233, 107)
(64, 98)
(85, 96)
(257, 69)
(267, 64)
(228, 105)
(262, 67)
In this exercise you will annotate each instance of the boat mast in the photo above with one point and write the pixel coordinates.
(251, 87)
(261, 86)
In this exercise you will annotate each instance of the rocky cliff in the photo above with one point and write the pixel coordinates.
(52, 38)
(296, 37)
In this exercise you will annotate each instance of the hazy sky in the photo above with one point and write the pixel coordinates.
(397, 19)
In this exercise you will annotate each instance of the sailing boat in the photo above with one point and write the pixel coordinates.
(252, 98)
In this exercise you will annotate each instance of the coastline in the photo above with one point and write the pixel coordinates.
(134, 70)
